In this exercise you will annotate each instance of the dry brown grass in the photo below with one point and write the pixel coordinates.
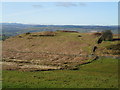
(27, 67)
(61, 50)
(97, 34)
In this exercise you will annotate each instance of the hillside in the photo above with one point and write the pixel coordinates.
(52, 50)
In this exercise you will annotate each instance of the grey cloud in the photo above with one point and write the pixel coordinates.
(66, 4)
(70, 4)
(37, 6)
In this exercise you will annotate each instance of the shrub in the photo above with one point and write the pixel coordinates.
(79, 36)
(20, 36)
(27, 33)
(107, 35)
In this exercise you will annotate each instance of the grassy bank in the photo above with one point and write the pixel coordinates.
(102, 73)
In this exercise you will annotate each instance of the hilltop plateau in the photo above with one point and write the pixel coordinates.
(54, 50)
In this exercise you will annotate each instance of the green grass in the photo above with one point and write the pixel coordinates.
(102, 73)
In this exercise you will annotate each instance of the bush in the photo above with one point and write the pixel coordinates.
(79, 36)
(107, 35)
(27, 33)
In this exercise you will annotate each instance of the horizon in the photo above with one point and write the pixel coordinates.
(57, 24)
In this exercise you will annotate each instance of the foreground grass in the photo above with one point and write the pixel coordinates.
(102, 73)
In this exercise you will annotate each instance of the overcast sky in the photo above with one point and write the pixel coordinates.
(84, 13)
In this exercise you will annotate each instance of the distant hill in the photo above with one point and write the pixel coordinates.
(12, 29)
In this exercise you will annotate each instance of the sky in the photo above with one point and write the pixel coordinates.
(69, 13)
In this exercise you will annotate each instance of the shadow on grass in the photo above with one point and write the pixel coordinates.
(116, 39)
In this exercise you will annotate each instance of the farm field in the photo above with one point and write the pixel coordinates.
(102, 73)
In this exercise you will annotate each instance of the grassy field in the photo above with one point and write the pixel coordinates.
(102, 73)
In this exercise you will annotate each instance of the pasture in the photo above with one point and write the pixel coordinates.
(102, 73)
